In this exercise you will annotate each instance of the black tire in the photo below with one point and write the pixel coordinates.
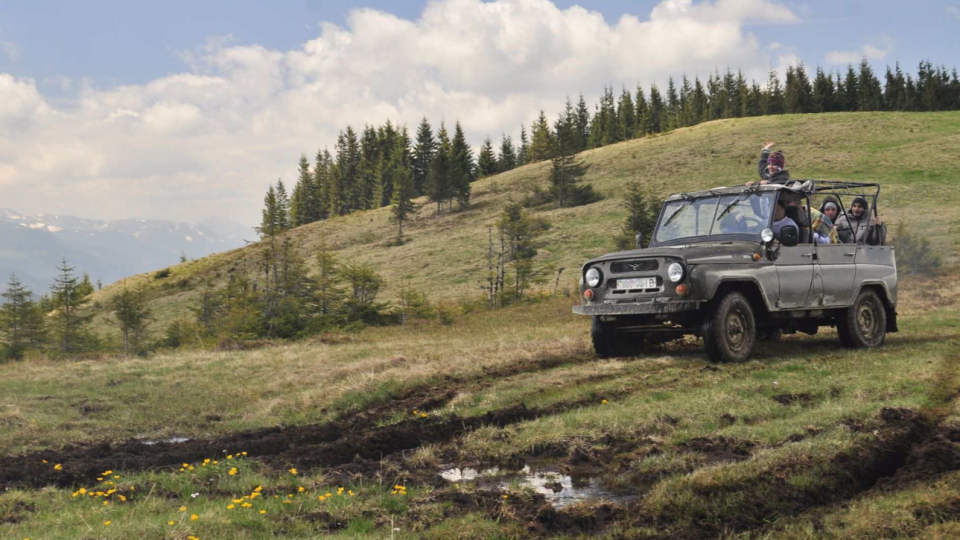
(864, 324)
(729, 329)
(769, 335)
(604, 336)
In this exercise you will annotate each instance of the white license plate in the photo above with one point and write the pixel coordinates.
(641, 283)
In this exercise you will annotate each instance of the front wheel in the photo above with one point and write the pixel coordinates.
(729, 330)
(604, 337)
(864, 324)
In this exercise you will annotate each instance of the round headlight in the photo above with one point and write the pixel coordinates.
(767, 235)
(593, 277)
(675, 272)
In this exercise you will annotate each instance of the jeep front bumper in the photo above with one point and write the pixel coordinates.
(635, 308)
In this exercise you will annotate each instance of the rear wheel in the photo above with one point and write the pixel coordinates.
(864, 324)
(729, 330)
(604, 336)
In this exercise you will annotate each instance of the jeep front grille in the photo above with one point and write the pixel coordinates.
(643, 265)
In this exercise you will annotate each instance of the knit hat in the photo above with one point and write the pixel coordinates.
(829, 204)
(862, 202)
(777, 159)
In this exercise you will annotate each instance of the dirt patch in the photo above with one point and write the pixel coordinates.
(803, 399)
(720, 449)
(16, 512)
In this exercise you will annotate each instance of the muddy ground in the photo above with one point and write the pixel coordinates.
(903, 447)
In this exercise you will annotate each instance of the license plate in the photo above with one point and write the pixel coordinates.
(641, 283)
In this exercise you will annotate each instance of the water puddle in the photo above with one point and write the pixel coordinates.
(558, 488)
(174, 440)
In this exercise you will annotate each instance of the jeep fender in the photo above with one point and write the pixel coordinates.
(761, 278)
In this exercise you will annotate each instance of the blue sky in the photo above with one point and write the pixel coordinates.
(115, 109)
(130, 42)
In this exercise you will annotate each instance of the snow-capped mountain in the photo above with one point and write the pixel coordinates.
(33, 245)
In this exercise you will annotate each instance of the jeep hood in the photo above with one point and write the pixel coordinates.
(736, 252)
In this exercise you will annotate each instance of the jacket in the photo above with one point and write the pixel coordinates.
(859, 231)
(781, 177)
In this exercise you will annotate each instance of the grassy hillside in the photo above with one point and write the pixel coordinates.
(913, 156)
(505, 424)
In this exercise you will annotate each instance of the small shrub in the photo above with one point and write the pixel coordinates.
(914, 254)
(161, 274)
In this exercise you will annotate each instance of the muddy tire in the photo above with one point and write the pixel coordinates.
(729, 330)
(864, 324)
(604, 336)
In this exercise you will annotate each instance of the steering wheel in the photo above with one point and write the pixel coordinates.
(748, 223)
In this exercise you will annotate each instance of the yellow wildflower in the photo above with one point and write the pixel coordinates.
(185, 465)
(233, 471)
(504, 497)
(100, 479)
(229, 507)
(58, 467)
(293, 471)
(75, 494)
(320, 498)
(243, 453)
(194, 517)
(257, 489)
(45, 462)
(246, 505)
(238, 501)
(190, 468)
(108, 473)
(262, 512)
(206, 460)
(301, 489)
(182, 469)
(122, 498)
(170, 523)
(604, 402)
(288, 501)
(183, 508)
(107, 522)
(215, 462)
(423, 415)
(351, 493)
(230, 456)
(83, 491)
(328, 494)
(340, 491)
(291, 495)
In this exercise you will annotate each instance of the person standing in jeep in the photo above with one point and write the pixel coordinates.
(771, 166)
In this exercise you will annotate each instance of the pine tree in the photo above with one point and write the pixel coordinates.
(731, 104)
(625, 115)
(486, 160)
(870, 97)
(85, 288)
(641, 218)
(774, 102)
(567, 171)
(701, 104)
(422, 155)
(21, 321)
(582, 135)
(849, 99)
(687, 116)
(323, 178)
(438, 182)
(68, 325)
(133, 315)
(824, 93)
(283, 207)
(541, 147)
(328, 292)
(653, 121)
(507, 160)
(344, 185)
(738, 102)
(610, 124)
(363, 196)
(403, 190)
(673, 106)
(642, 110)
(523, 153)
(269, 218)
(461, 158)
(303, 190)
(716, 97)
(753, 104)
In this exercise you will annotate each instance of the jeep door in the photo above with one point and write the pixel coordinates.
(795, 267)
(839, 271)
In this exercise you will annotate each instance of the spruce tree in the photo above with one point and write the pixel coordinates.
(567, 171)
(673, 106)
(870, 97)
(625, 115)
(541, 147)
(641, 110)
(654, 121)
(21, 321)
(403, 190)
(363, 196)
(438, 182)
(507, 160)
(774, 101)
(300, 201)
(283, 207)
(641, 217)
(701, 104)
(329, 295)
(610, 124)
(67, 324)
(850, 98)
(753, 104)
(486, 160)
(687, 116)
(731, 99)
(133, 315)
(423, 151)
(523, 152)
(824, 94)
(269, 216)
(739, 100)
(323, 178)
(582, 135)
(461, 157)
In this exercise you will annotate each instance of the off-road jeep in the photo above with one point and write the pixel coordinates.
(714, 268)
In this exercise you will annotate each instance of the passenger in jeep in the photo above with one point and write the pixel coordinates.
(820, 225)
(771, 166)
(780, 219)
(858, 227)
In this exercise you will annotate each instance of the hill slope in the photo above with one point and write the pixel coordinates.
(912, 155)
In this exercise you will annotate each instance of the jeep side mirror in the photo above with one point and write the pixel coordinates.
(639, 239)
(789, 236)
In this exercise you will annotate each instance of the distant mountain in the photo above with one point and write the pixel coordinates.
(33, 245)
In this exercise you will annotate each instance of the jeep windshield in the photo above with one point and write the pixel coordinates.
(735, 216)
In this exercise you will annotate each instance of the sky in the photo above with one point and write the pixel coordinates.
(182, 110)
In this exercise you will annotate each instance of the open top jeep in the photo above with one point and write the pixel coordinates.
(715, 268)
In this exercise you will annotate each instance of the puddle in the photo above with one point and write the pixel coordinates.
(558, 488)
(174, 440)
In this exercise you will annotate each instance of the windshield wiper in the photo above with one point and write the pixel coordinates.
(677, 213)
(734, 203)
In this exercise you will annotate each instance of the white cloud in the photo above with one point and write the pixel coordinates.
(208, 140)
(953, 10)
(870, 52)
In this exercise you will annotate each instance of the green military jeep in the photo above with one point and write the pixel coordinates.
(715, 268)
